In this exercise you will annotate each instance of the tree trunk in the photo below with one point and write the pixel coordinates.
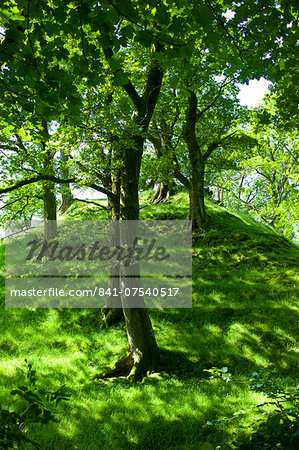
(50, 217)
(112, 313)
(220, 195)
(143, 350)
(197, 212)
(66, 197)
(49, 197)
(142, 343)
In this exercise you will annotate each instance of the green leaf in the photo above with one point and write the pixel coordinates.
(274, 421)
(144, 37)
(120, 78)
(127, 10)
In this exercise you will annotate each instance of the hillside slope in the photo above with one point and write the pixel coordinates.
(244, 317)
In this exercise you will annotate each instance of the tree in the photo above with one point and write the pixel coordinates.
(202, 131)
(21, 155)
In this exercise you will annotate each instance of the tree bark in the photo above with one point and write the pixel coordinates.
(143, 348)
(49, 197)
(197, 212)
(50, 215)
(66, 197)
(112, 313)
(162, 148)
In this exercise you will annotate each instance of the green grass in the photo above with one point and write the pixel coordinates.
(244, 316)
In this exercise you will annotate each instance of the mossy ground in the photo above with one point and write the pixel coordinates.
(244, 316)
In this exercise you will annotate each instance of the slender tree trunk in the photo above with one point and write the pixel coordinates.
(49, 197)
(66, 197)
(220, 195)
(50, 216)
(112, 313)
(197, 212)
(144, 351)
(196, 193)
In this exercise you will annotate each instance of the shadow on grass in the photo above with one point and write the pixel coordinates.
(144, 417)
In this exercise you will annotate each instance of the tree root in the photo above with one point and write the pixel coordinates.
(121, 368)
(131, 366)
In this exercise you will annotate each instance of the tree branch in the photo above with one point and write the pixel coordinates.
(128, 87)
(57, 180)
(213, 146)
(210, 105)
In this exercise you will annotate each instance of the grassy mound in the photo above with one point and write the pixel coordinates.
(244, 318)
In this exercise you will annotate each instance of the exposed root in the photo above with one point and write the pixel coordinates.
(131, 366)
(121, 368)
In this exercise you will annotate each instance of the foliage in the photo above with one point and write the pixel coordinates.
(263, 178)
(281, 428)
(31, 406)
(222, 373)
